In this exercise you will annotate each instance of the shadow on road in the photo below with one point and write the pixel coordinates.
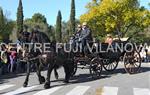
(82, 78)
(4, 78)
(144, 69)
(122, 71)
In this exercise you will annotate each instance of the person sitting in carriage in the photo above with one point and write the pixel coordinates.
(78, 33)
(85, 36)
(109, 39)
(74, 40)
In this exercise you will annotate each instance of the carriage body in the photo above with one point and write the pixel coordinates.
(124, 51)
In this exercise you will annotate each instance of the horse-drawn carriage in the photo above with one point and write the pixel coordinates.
(95, 61)
(108, 57)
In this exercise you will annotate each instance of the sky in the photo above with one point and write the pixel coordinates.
(49, 8)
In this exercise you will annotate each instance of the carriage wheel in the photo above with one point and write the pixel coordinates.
(132, 62)
(110, 66)
(95, 67)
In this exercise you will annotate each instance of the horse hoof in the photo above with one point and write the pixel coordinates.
(47, 85)
(25, 85)
(42, 80)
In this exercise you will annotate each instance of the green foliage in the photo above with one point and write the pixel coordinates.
(51, 33)
(66, 30)
(2, 19)
(72, 18)
(6, 26)
(37, 20)
(58, 34)
(20, 18)
(116, 17)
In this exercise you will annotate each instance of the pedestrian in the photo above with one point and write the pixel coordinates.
(12, 61)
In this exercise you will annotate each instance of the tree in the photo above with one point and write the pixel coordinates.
(2, 20)
(20, 18)
(1, 24)
(116, 17)
(58, 27)
(65, 31)
(72, 17)
(51, 33)
(6, 26)
(37, 20)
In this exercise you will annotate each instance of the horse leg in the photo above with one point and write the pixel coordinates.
(56, 73)
(67, 74)
(47, 83)
(27, 76)
(68, 71)
(38, 71)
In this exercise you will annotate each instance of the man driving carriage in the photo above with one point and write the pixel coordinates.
(78, 33)
(74, 40)
(83, 36)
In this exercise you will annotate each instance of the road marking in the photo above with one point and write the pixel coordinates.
(2, 87)
(20, 90)
(79, 90)
(48, 91)
(141, 91)
(110, 91)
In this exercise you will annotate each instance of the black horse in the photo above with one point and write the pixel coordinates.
(52, 59)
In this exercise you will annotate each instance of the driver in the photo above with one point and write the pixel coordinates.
(85, 36)
(78, 33)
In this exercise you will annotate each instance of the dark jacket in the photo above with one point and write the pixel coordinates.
(77, 35)
(86, 35)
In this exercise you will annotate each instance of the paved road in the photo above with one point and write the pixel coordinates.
(114, 83)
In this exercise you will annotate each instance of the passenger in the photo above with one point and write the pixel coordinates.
(109, 39)
(78, 33)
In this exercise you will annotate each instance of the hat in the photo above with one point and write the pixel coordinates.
(84, 23)
(108, 35)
